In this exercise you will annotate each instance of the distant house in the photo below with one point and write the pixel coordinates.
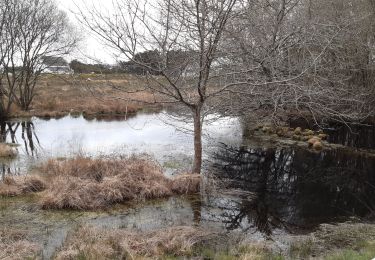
(56, 65)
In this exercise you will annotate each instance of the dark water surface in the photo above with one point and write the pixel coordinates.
(297, 189)
(352, 135)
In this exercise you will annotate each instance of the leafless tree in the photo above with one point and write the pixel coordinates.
(301, 55)
(185, 34)
(32, 30)
(8, 47)
(276, 56)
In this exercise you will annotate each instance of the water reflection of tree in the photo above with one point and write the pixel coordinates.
(359, 136)
(295, 187)
(29, 142)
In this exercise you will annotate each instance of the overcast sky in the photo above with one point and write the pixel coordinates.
(90, 49)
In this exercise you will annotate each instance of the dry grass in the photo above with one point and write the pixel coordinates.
(92, 95)
(15, 186)
(7, 151)
(14, 245)
(86, 184)
(95, 243)
(186, 183)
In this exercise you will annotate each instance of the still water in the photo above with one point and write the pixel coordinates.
(166, 138)
(269, 190)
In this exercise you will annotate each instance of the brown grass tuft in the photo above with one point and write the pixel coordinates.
(15, 186)
(186, 183)
(7, 151)
(14, 245)
(94, 243)
(86, 183)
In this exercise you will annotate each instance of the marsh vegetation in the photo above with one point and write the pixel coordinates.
(227, 129)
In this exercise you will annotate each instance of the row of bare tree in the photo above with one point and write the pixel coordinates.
(243, 56)
(29, 31)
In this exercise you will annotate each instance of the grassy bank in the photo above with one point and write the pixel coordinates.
(194, 242)
(90, 94)
(87, 184)
(190, 242)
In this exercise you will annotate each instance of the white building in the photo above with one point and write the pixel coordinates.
(56, 65)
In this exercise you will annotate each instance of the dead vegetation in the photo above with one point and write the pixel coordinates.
(95, 243)
(86, 184)
(20, 185)
(180, 242)
(58, 95)
(14, 245)
(186, 183)
(7, 151)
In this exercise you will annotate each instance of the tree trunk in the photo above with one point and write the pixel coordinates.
(197, 164)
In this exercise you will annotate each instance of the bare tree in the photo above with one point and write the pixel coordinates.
(303, 56)
(185, 35)
(243, 56)
(8, 47)
(33, 29)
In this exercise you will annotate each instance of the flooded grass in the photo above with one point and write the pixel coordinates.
(21, 185)
(14, 245)
(7, 151)
(84, 183)
(178, 242)
(95, 243)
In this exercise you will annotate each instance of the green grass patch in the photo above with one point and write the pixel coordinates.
(366, 252)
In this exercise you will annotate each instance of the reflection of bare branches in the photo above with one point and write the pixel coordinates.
(28, 134)
(294, 187)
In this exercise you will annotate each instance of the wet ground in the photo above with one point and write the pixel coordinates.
(270, 191)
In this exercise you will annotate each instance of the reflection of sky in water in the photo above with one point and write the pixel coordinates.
(154, 134)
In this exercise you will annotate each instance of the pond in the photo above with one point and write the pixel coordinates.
(270, 190)
(165, 137)
(296, 189)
